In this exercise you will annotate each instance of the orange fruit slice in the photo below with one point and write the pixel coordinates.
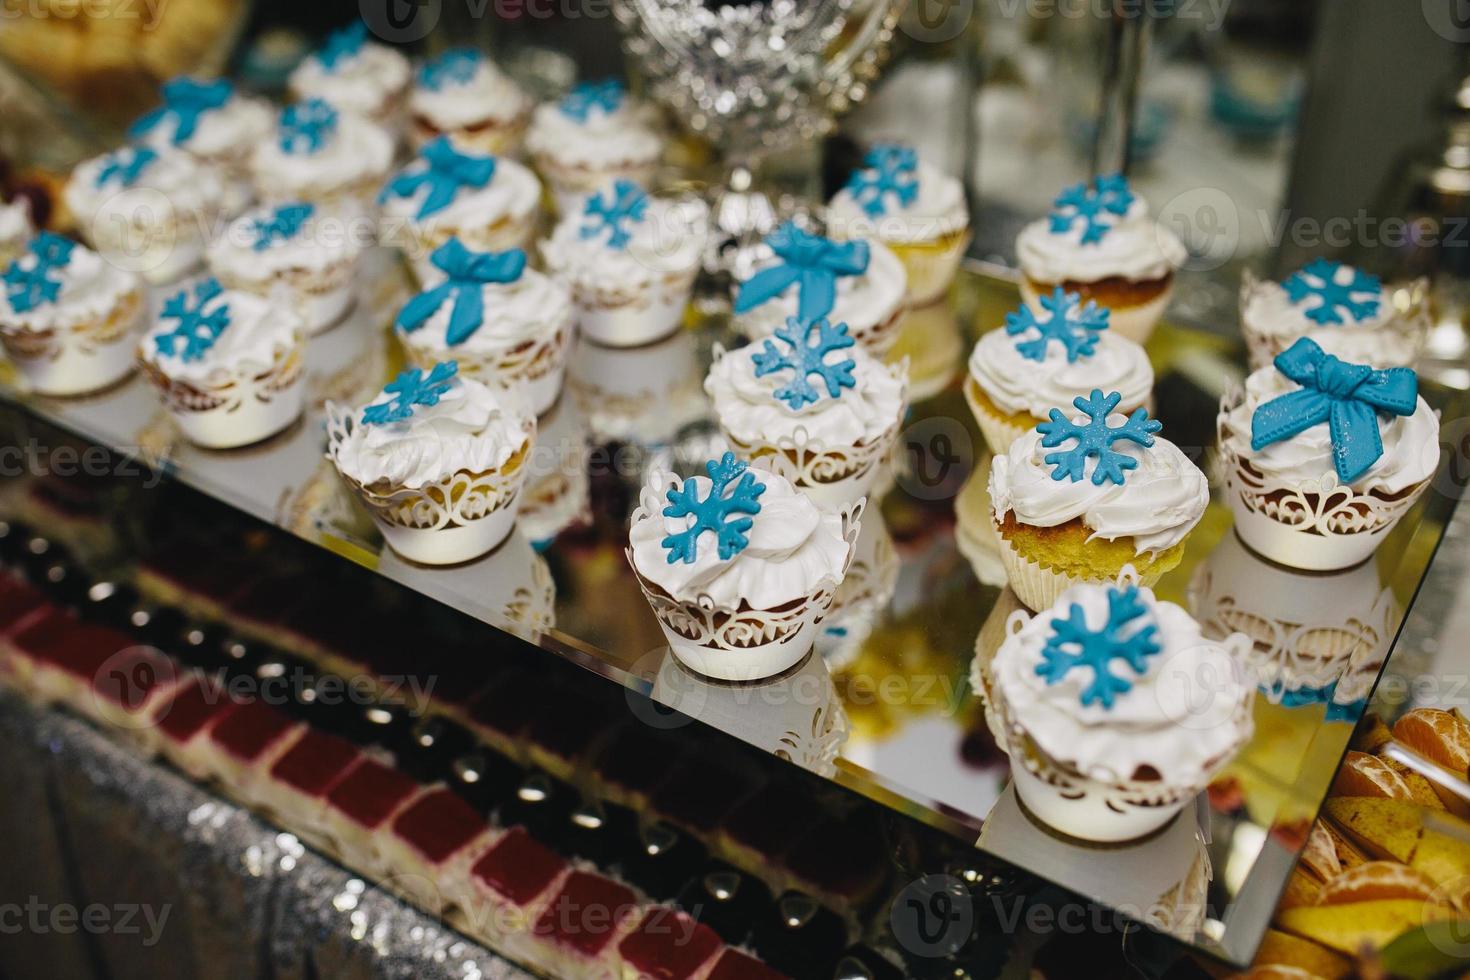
(1438, 735)
(1320, 855)
(1362, 774)
(1377, 881)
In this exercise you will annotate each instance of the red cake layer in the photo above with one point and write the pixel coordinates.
(586, 914)
(17, 602)
(65, 642)
(668, 945)
(129, 678)
(518, 867)
(315, 763)
(194, 708)
(249, 730)
(370, 793)
(438, 824)
(734, 965)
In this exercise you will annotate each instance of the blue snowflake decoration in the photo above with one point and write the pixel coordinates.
(887, 171)
(1097, 206)
(457, 66)
(1128, 635)
(342, 45)
(29, 286)
(715, 512)
(1068, 322)
(125, 166)
(307, 126)
(605, 96)
(284, 224)
(1318, 280)
(1095, 439)
(409, 390)
(805, 359)
(197, 328)
(611, 211)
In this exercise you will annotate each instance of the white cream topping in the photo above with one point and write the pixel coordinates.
(1268, 309)
(749, 410)
(605, 139)
(489, 96)
(1147, 726)
(1410, 443)
(669, 241)
(1018, 384)
(532, 307)
(15, 224)
(512, 192)
(231, 130)
(90, 289)
(863, 300)
(794, 548)
(1160, 501)
(938, 209)
(1137, 248)
(173, 187)
(474, 428)
(356, 151)
(259, 330)
(323, 241)
(360, 83)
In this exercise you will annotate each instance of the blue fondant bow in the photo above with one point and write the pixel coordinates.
(605, 96)
(448, 170)
(467, 272)
(812, 263)
(1348, 397)
(184, 101)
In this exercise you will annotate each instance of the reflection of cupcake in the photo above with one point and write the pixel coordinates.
(321, 156)
(488, 203)
(811, 395)
(558, 484)
(1343, 309)
(438, 461)
(1108, 494)
(503, 323)
(739, 567)
(590, 138)
(69, 320)
(462, 95)
(145, 209)
(210, 122)
(795, 273)
(974, 533)
(1042, 360)
(357, 76)
(15, 229)
(1322, 457)
(640, 394)
(513, 585)
(630, 260)
(287, 251)
(1100, 242)
(1105, 743)
(229, 365)
(911, 207)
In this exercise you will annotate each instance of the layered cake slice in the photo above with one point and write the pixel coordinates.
(183, 722)
(363, 802)
(245, 745)
(510, 886)
(300, 781)
(128, 688)
(430, 847)
(668, 945)
(578, 933)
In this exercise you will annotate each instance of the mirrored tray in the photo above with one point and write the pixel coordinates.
(883, 705)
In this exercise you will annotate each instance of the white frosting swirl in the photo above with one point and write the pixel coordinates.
(173, 187)
(1136, 248)
(321, 243)
(749, 410)
(938, 209)
(669, 241)
(1410, 443)
(488, 96)
(605, 139)
(361, 83)
(259, 330)
(232, 130)
(1159, 502)
(512, 192)
(15, 226)
(532, 307)
(794, 547)
(90, 290)
(1018, 384)
(1146, 727)
(1269, 310)
(357, 151)
(862, 301)
(474, 428)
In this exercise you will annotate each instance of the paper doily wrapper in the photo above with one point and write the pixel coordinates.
(539, 364)
(931, 266)
(571, 183)
(1396, 343)
(81, 355)
(321, 297)
(1135, 322)
(493, 137)
(631, 316)
(238, 408)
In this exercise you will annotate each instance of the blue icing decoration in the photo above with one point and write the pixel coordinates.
(184, 101)
(410, 389)
(456, 66)
(1068, 322)
(467, 271)
(1097, 649)
(307, 126)
(1097, 206)
(886, 171)
(606, 95)
(1318, 280)
(284, 224)
(714, 512)
(811, 263)
(609, 212)
(1095, 439)
(446, 172)
(805, 360)
(125, 166)
(197, 330)
(1348, 397)
(27, 287)
(342, 45)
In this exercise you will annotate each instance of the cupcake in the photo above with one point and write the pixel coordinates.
(69, 320)
(590, 138)
(1109, 738)
(488, 203)
(1047, 358)
(148, 210)
(811, 395)
(228, 364)
(630, 260)
(318, 155)
(1099, 241)
(1322, 456)
(796, 273)
(291, 252)
(639, 394)
(365, 79)
(911, 207)
(438, 460)
(739, 566)
(1345, 310)
(15, 229)
(212, 123)
(462, 95)
(503, 323)
(1108, 494)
